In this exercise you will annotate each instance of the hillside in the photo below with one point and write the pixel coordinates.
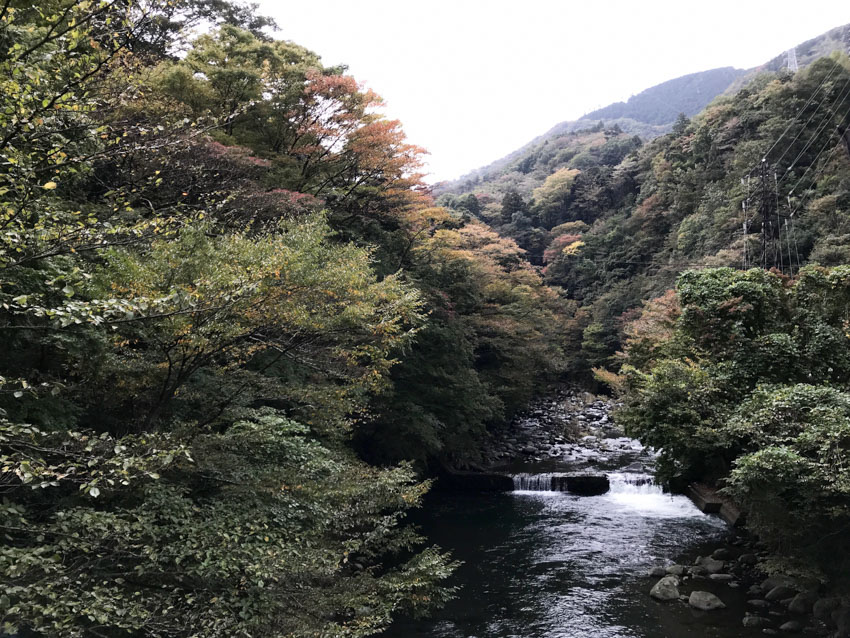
(612, 221)
(662, 103)
(648, 114)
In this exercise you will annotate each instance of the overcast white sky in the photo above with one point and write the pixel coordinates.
(473, 80)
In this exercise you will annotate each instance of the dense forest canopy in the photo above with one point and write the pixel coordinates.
(220, 277)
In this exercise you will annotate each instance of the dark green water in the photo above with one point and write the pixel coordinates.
(554, 565)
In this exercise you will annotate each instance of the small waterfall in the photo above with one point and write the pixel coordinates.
(540, 482)
(624, 483)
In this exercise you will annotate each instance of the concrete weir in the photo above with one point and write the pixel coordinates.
(583, 484)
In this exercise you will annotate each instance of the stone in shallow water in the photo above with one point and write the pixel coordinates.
(666, 589)
(676, 570)
(792, 626)
(712, 565)
(705, 600)
(755, 621)
(724, 578)
(657, 572)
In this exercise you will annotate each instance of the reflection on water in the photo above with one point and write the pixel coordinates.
(544, 564)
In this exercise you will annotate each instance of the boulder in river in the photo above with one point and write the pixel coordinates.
(748, 559)
(792, 626)
(666, 589)
(723, 578)
(823, 608)
(780, 592)
(755, 621)
(705, 600)
(802, 603)
(711, 565)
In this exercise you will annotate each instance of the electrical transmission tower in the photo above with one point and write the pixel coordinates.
(767, 221)
(791, 60)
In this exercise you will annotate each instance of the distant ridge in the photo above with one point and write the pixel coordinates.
(662, 103)
(653, 111)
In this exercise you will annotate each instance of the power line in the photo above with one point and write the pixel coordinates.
(843, 96)
(800, 112)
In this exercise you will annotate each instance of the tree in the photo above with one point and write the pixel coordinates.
(179, 332)
(471, 204)
(512, 203)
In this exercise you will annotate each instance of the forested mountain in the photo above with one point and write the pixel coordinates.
(612, 219)
(662, 103)
(648, 114)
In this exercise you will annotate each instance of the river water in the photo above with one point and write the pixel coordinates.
(543, 564)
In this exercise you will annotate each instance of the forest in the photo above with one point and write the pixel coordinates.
(236, 332)
(241, 336)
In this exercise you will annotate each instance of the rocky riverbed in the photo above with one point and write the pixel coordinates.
(571, 429)
(775, 604)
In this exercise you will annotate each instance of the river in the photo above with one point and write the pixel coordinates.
(545, 564)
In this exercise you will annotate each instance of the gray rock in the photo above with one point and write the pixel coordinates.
(769, 631)
(755, 590)
(666, 589)
(792, 626)
(841, 618)
(699, 571)
(755, 621)
(802, 603)
(721, 553)
(761, 604)
(705, 600)
(780, 592)
(723, 578)
(657, 572)
(712, 565)
(748, 559)
(676, 570)
(823, 608)
(772, 582)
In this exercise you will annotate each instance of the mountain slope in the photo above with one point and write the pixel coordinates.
(661, 104)
(648, 114)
